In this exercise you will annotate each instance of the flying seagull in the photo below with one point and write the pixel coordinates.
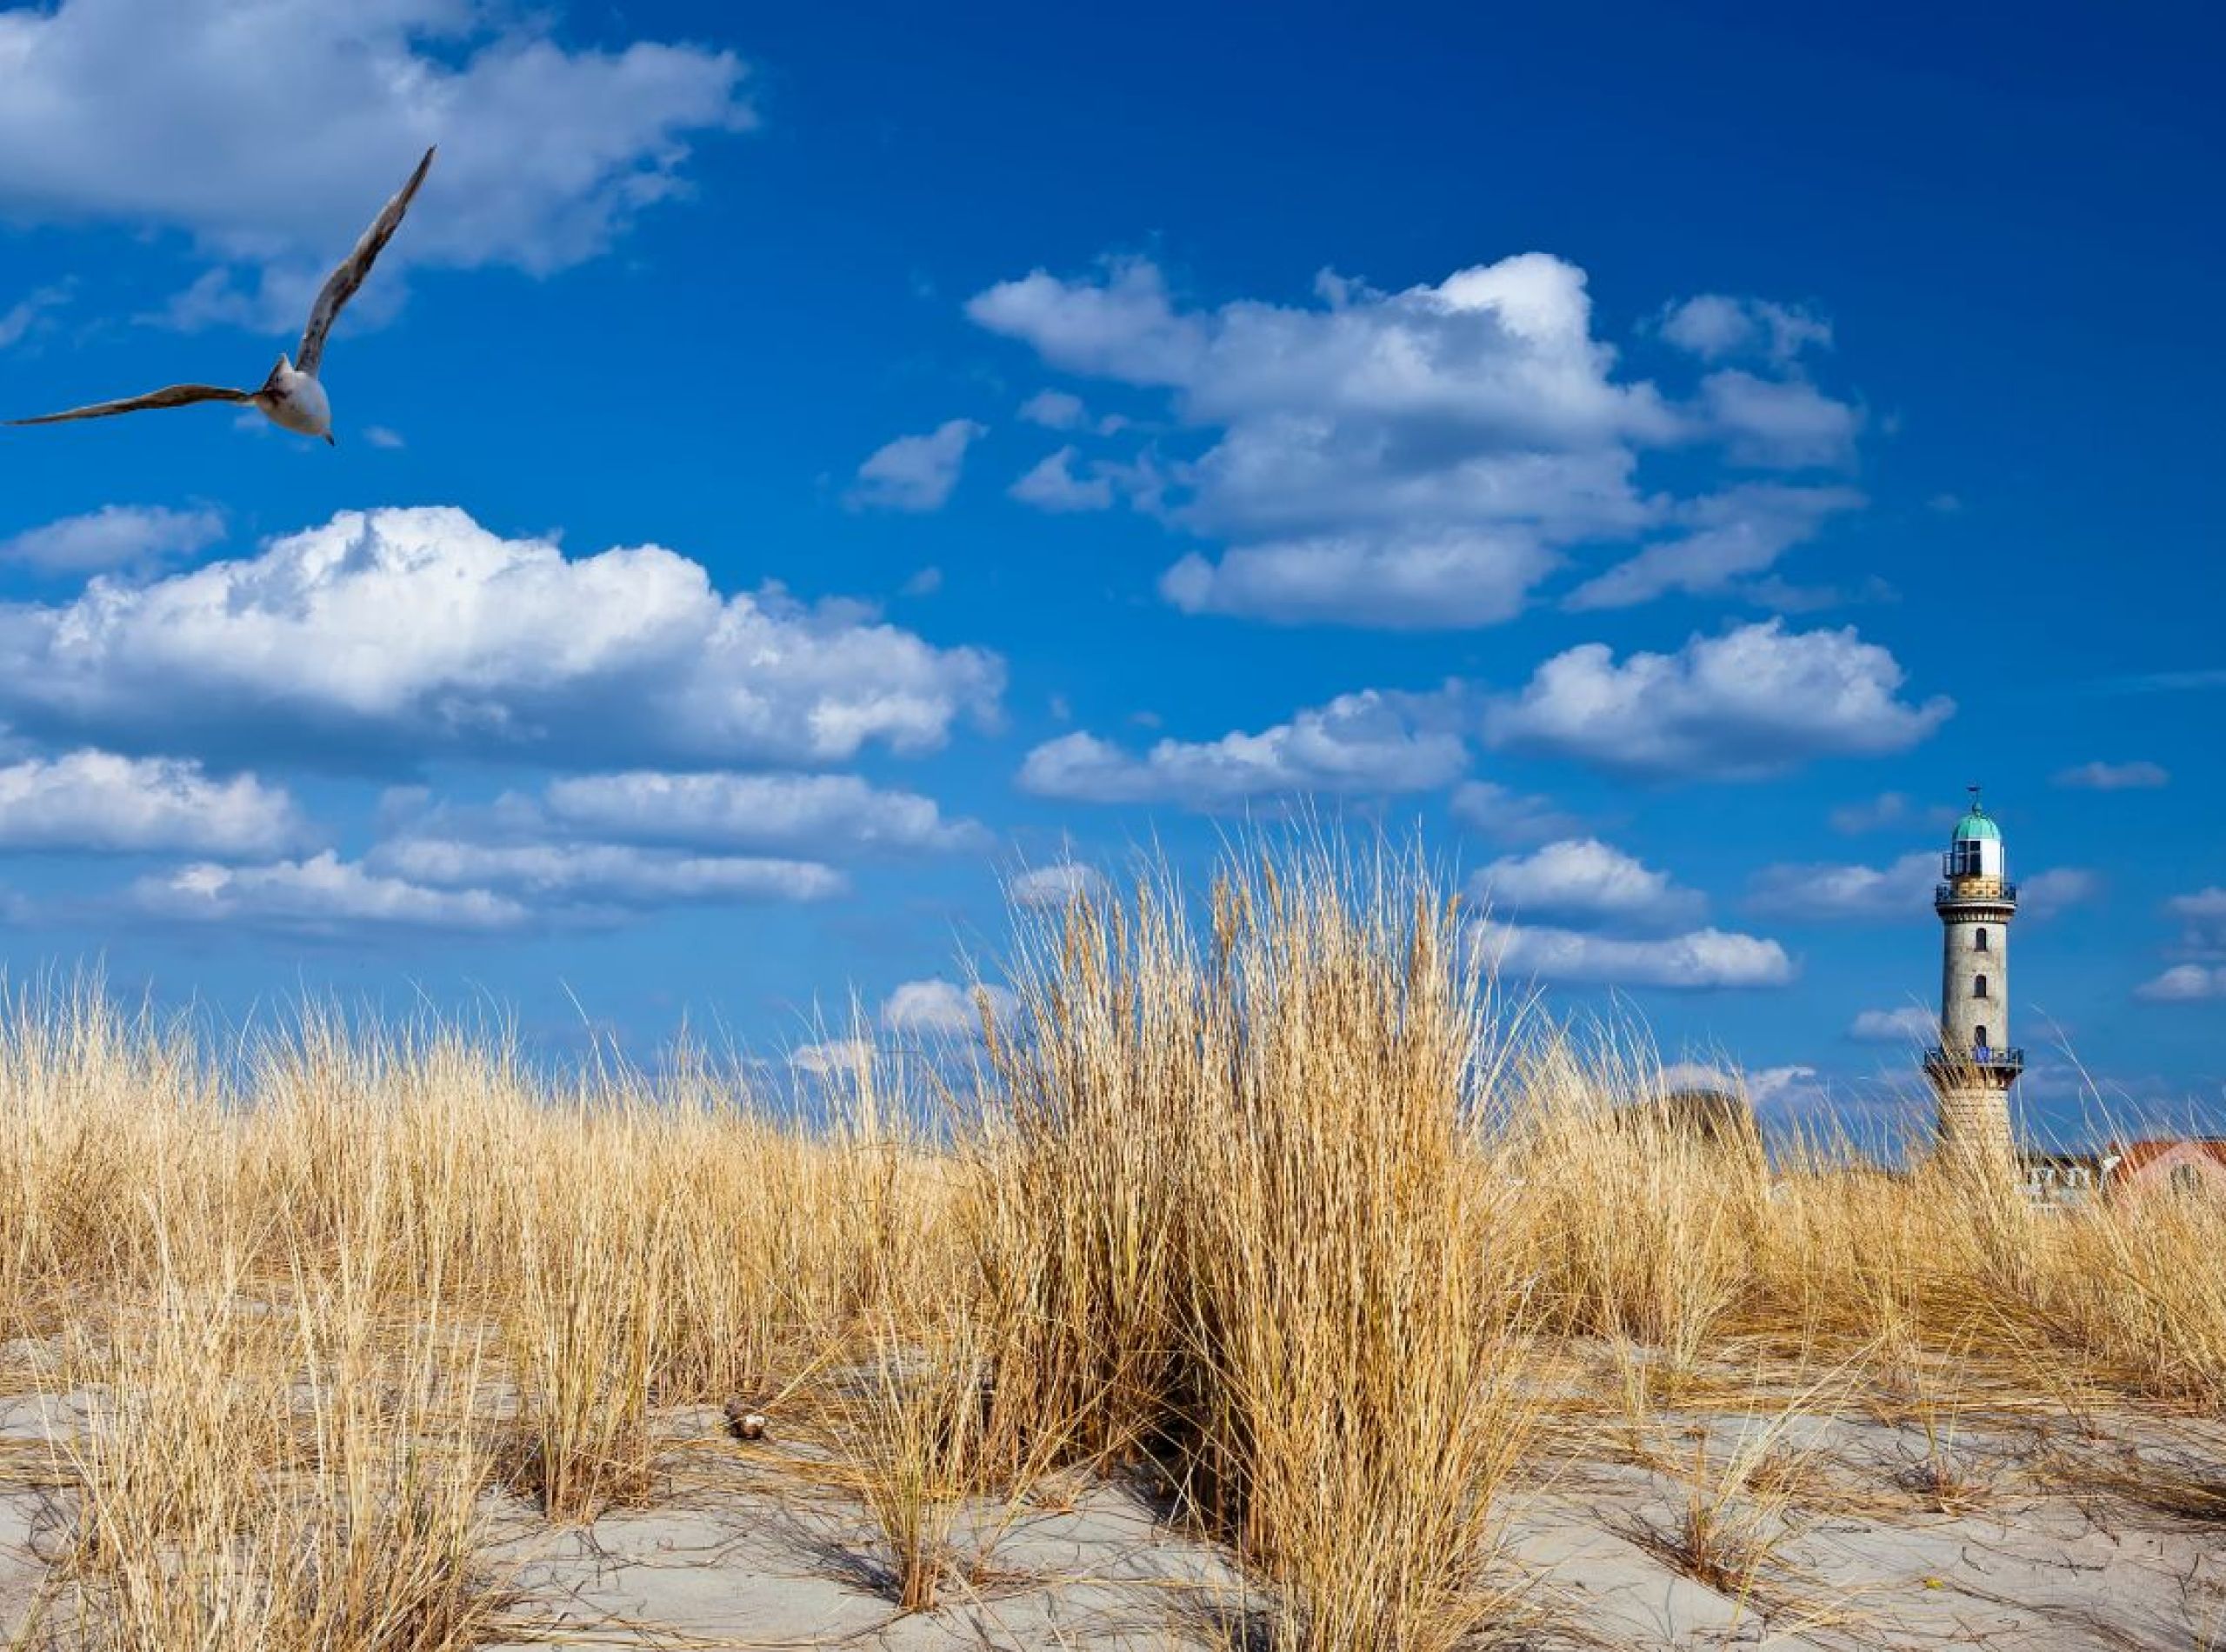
(290, 397)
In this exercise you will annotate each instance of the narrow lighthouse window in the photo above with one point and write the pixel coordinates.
(1981, 942)
(1978, 987)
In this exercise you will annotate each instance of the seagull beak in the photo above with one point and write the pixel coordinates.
(328, 441)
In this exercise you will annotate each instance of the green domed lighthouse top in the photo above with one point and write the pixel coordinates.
(1978, 826)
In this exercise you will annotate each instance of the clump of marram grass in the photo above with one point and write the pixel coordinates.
(1672, 1269)
(274, 1469)
(912, 1422)
(1240, 1189)
(593, 1267)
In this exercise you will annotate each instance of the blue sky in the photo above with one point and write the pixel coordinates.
(798, 470)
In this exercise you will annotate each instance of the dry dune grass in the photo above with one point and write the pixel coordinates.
(1267, 1193)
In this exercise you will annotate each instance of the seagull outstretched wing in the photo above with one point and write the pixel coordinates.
(340, 286)
(168, 395)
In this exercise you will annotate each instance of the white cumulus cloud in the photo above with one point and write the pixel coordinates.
(321, 896)
(96, 801)
(114, 536)
(160, 113)
(590, 873)
(1703, 959)
(1897, 891)
(404, 635)
(1752, 702)
(1388, 578)
(1418, 459)
(1583, 877)
(1365, 742)
(824, 814)
(916, 473)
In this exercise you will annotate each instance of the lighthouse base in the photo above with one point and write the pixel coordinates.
(1975, 1126)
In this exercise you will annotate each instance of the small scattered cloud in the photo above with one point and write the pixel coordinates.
(379, 436)
(2114, 776)
(2194, 682)
(1726, 538)
(2047, 893)
(1753, 702)
(1058, 884)
(2185, 983)
(1779, 423)
(926, 583)
(938, 1008)
(916, 473)
(1702, 960)
(1910, 1024)
(1055, 411)
(1494, 811)
(1584, 878)
(114, 536)
(97, 802)
(28, 314)
(1887, 810)
(1370, 742)
(1698, 1075)
(1717, 326)
(1785, 1090)
(1776, 1091)
(835, 1058)
(1052, 485)
(2204, 913)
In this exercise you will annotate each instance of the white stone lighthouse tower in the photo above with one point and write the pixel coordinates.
(1974, 1064)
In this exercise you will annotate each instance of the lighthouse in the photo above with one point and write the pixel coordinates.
(1974, 1064)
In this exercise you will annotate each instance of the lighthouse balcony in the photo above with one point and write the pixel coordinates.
(1992, 1060)
(1975, 891)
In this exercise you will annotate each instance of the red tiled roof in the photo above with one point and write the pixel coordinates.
(2136, 1156)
